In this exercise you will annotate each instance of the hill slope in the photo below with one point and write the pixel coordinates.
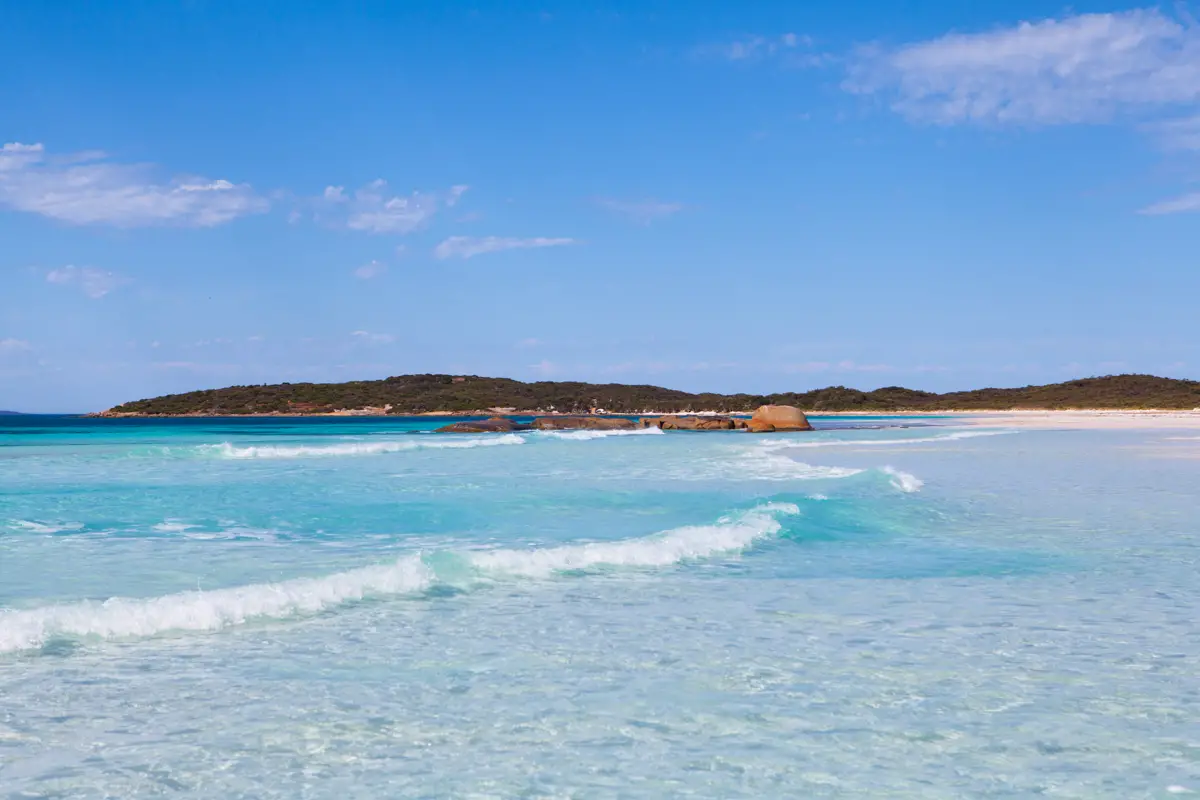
(419, 394)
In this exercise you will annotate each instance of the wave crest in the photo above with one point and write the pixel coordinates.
(217, 609)
(904, 481)
(699, 541)
(208, 610)
(227, 450)
(588, 435)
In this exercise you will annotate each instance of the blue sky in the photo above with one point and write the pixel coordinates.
(705, 195)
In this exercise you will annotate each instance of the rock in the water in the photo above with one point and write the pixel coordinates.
(778, 418)
(493, 425)
(583, 423)
(690, 423)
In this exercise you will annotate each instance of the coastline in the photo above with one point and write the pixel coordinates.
(1064, 419)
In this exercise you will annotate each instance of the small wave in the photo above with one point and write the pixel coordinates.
(45, 527)
(213, 610)
(218, 609)
(904, 481)
(588, 435)
(728, 534)
(772, 467)
(950, 437)
(227, 450)
(172, 526)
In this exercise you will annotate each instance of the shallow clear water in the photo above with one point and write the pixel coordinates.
(359, 608)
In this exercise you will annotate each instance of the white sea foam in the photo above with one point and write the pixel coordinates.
(172, 526)
(726, 535)
(45, 527)
(904, 481)
(227, 450)
(213, 610)
(950, 437)
(778, 467)
(588, 435)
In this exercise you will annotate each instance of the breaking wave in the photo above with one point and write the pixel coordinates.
(587, 435)
(215, 610)
(728, 534)
(227, 450)
(44, 527)
(904, 481)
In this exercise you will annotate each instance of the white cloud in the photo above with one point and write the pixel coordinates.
(14, 345)
(371, 270)
(373, 209)
(95, 283)
(755, 47)
(374, 338)
(1179, 205)
(89, 189)
(470, 246)
(640, 211)
(1083, 68)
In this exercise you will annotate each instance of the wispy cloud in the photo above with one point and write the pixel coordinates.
(371, 270)
(373, 209)
(642, 212)
(374, 338)
(1082, 68)
(14, 345)
(95, 283)
(471, 246)
(753, 47)
(1178, 205)
(90, 189)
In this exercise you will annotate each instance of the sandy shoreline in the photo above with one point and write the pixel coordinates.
(1082, 420)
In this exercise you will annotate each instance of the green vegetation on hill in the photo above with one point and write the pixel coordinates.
(417, 394)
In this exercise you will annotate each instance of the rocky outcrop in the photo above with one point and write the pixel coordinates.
(493, 425)
(778, 418)
(690, 423)
(583, 423)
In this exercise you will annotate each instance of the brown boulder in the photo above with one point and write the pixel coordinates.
(583, 423)
(689, 423)
(779, 418)
(493, 425)
(758, 426)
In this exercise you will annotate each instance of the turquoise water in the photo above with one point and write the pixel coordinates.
(358, 608)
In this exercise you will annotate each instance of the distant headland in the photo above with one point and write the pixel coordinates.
(407, 395)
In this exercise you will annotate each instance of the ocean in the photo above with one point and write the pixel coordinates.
(360, 608)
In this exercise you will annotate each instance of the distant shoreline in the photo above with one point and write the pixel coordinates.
(1092, 418)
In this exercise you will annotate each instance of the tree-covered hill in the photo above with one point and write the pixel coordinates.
(419, 394)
